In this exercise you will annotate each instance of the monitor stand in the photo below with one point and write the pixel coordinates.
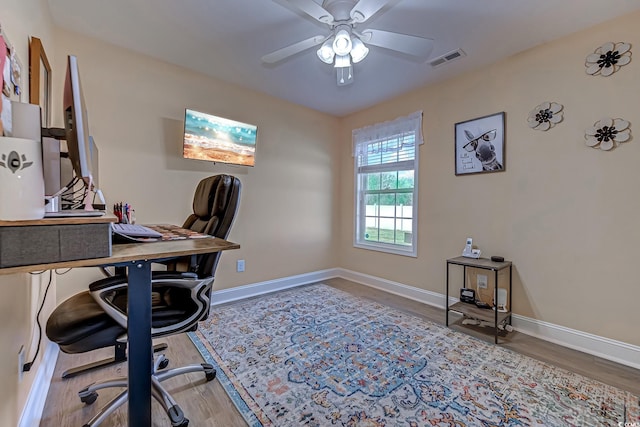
(71, 213)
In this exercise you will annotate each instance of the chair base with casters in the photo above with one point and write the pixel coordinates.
(89, 394)
(119, 356)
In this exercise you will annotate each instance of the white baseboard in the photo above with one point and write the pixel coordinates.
(427, 297)
(260, 288)
(605, 348)
(616, 351)
(32, 411)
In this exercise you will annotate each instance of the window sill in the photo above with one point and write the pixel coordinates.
(390, 249)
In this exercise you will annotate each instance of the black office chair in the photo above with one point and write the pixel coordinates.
(96, 318)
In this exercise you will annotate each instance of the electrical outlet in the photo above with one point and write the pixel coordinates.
(240, 265)
(482, 281)
(20, 362)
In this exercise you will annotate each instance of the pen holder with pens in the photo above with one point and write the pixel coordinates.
(125, 213)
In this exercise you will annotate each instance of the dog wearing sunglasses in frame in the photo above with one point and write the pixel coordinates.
(484, 149)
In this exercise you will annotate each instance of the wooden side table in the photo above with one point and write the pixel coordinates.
(495, 317)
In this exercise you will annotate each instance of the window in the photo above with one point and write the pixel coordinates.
(386, 177)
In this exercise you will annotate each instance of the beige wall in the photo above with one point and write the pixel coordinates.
(21, 294)
(564, 213)
(136, 112)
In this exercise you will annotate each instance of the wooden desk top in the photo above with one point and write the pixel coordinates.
(61, 221)
(136, 252)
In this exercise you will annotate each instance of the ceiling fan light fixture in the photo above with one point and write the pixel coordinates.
(326, 53)
(358, 51)
(342, 43)
(347, 43)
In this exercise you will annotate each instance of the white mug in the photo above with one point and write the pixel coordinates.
(21, 179)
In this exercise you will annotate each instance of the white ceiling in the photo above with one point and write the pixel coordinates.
(226, 39)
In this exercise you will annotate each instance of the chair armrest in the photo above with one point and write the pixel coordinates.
(111, 295)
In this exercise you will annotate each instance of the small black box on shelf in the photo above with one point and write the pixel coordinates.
(468, 295)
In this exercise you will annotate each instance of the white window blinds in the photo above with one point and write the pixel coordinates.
(386, 167)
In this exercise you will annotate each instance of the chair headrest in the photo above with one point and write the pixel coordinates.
(214, 205)
(212, 196)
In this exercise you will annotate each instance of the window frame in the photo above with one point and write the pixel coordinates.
(378, 133)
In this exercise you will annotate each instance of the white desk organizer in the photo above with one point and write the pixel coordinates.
(21, 180)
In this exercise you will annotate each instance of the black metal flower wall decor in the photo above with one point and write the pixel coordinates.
(607, 133)
(545, 116)
(608, 58)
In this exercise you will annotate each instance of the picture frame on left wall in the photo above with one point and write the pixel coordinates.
(40, 79)
(480, 145)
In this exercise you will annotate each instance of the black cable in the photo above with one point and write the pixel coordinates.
(70, 186)
(27, 366)
(78, 196)
(75, 198)
(67, 197)
(85, 195)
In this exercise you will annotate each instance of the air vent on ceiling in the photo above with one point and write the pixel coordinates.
(447, 57)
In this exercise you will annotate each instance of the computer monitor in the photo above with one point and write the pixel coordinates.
(79, 143)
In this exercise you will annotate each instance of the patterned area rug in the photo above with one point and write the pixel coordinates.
(317, 356)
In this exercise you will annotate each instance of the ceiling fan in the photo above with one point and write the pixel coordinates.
(346, 44)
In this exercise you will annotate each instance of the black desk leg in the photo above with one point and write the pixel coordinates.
(140, 350)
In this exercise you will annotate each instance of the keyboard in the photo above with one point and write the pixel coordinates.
(135, 230)
(73, 213)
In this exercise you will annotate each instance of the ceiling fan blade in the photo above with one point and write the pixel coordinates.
(365, 9)
(418, 47)
(285, 52)
(312, 9)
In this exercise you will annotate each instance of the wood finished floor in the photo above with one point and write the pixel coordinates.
(207, 404)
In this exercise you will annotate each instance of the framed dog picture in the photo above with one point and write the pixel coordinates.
(480, 145)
